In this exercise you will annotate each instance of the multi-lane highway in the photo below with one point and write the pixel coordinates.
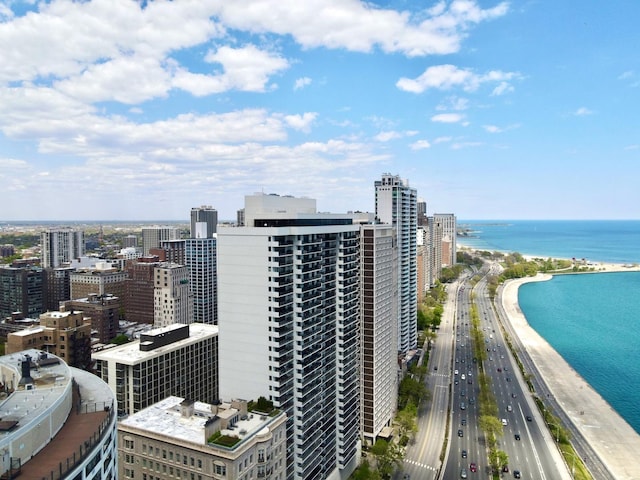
(453, 411)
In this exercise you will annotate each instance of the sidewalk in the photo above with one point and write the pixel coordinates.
(610, 436)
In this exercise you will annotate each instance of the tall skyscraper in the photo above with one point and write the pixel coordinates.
(200, 259)
(152, 236)
(289, 320)
(434, 245)
(60, 246)
(206, 215)
(378, 330)
(396, 205)
(172, 299)
(449, 235)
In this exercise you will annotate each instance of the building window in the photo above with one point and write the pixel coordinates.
(128, 444)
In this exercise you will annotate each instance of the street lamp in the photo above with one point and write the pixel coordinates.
(557, 430)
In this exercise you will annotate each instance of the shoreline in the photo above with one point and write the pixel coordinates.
(614, 441)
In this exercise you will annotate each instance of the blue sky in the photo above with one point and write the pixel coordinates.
(115, 109)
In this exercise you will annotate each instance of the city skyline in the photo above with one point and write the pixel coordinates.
(141, 111)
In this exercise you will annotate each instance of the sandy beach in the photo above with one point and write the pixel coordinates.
(609, 435)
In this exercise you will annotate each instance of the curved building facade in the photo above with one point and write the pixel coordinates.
(56, 421)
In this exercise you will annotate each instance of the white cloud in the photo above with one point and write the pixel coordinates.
(301, 83)
(626, 75)
(387, 136)
(446, 77)
(420, 145)
(453, 103)
(502, 88)
(582, 111)
(359, 26)
(447, 118)
(492, 129)
(301, 122)
(442, 140)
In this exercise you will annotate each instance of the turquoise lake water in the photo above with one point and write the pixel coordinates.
(592, 320)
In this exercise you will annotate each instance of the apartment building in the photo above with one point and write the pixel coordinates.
(176, 360)
(186, 439)
(396, 205)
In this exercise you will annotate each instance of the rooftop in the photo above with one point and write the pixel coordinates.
(130, 353)
(165, 418)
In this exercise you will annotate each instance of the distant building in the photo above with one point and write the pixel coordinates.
(62, 333)
(139, 288)
(176, 360)
(449, 237)
(378, 330)
(200, 259)
(21, 290)
(152, 236)
(180, 438)
(60, 246)
(57, 286)
(207, 216)
(396, 205)
(172, 297)
(434, 235)
(57, 421)
(172, 251)
(240, 218)
(129, 241)
(7, 250)
(103, 311)
(101, 280)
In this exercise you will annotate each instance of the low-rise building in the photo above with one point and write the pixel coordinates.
(57, 421)
(185, 439)
(65, 334)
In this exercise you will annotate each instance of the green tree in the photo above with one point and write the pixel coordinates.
(388, 457)
(365, 472)
(407, 420)
(120, 339)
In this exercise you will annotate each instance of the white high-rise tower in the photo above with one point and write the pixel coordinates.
(396, 204)
(289, 312)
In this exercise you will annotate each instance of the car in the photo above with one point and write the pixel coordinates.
(462, 406)
(435, 368)
(469, 381)
(464, 453)
(473, 467)
(505, 468)
(463, 473)
(509, 408)
(463, 377)
(517, 436)
(462, 393)
(455, 372)
(471, 401)
(456, 382)
(529, 419)
(514, 395)
(508, 379)
(460, 433)
(516, 474)
(463, 421)
(499, 369)
(406, 476)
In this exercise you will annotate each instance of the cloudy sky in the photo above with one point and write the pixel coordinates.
(117, 109)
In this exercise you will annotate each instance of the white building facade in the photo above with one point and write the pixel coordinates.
(153, 236)
(289, 320)
(60, 246)
(172, 298)
(396, 205)
(378, 332)
(447, 222)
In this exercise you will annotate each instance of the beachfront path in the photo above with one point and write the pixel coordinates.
(609, 435)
